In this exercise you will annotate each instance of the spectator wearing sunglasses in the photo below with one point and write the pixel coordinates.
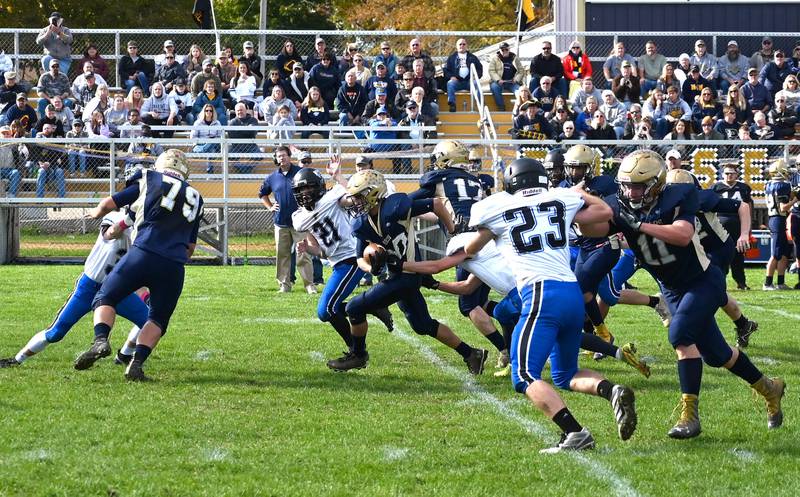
(781, 118)
(388, 57)
(547, 64)
(763, 55)
(775, 72)
(505, 72)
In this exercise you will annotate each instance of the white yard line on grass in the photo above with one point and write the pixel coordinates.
(774, 311)
(621, 485)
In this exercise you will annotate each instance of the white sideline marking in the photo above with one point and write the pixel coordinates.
(769, 361)
(316, 356)
(203, 355)
(774, 311)
(394, 453)
(37, 455)
(620, 484)
(744, 455)
(215, 454)
(266, 320)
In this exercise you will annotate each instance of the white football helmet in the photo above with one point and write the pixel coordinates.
(174, 163)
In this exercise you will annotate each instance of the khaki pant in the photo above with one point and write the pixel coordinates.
(285, 239)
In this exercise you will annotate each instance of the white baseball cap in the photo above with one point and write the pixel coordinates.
(673, 154)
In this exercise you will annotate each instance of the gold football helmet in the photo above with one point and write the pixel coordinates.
(450, 153)
(778, 170)
(173, 162)
(475, 159)
(364, 190)
(641, 177)
(679, 176)
(579, 162)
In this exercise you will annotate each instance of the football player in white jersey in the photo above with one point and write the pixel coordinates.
(529, 224)
(322, 217)
(104, 256)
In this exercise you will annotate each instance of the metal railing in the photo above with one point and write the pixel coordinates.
(235, 215)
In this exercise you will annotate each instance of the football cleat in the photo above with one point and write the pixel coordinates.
(743, 333)
(663, 311)
(502, 360)
(385, 317)
(623, 403)
(349, 361)
(100, 348)
(688, 425)
(629, 357)
(782, 286)
(311, 289)
(768, 288)
(122, 359)
(601, 330)
(476, 360)
(503, 373)
(9, 362)
(134, 372)
(576, 440)
(772, 389)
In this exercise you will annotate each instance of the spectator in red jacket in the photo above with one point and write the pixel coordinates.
(576, 63)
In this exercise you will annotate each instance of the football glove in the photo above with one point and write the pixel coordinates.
(428, 281)
(394, 263)
(630, 219)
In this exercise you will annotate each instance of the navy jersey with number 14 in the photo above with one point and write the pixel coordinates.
(168, 213)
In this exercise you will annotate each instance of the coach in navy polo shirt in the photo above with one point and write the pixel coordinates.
(279, 184)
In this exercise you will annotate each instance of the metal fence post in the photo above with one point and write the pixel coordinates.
(16, 54)
(225, 197)
(116, 58)
(112, 168)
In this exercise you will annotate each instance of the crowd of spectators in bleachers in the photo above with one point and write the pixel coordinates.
(699, 96)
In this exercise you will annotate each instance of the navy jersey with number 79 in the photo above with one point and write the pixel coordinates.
(168, 213)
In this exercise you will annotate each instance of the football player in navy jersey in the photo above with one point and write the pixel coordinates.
(388, 222)
(659, 224)
(780, 198)
(168, 213)
(459, 189)
(731, 187)
(719, 245)
(529, 226)
(596, 255)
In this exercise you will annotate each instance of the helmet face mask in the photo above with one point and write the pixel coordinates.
(475, 160)
(554, 165)
(365, 190)
(579, 163)
(450, 153)
(641, 178)
(308, 186)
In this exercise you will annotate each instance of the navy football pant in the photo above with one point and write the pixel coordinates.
(403, 289)
(693, 322)
(779, 244)
(140, 268)
(478, 298)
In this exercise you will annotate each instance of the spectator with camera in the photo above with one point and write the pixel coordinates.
(626, 85)
(56, 39)
(613, 64)
(183, 101)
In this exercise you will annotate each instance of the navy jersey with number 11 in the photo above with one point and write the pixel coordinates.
(168, 213)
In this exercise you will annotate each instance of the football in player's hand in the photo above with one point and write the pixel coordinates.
(375, 255)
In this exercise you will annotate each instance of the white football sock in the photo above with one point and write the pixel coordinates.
(130, 344)
(36, 344)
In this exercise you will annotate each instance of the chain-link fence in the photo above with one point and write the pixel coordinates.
(20, 44)
(53, 200)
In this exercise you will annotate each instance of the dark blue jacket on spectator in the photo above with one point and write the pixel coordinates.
(324, 78)
(280, 185)
(757, 96)
(772, 76)
(8, 96)
(538, 124)
(319, 116)
(451, 67)
(15, 112)
(701, 111)
(351, 99)
(386, 82)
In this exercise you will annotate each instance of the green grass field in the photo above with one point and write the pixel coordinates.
(243, 405)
